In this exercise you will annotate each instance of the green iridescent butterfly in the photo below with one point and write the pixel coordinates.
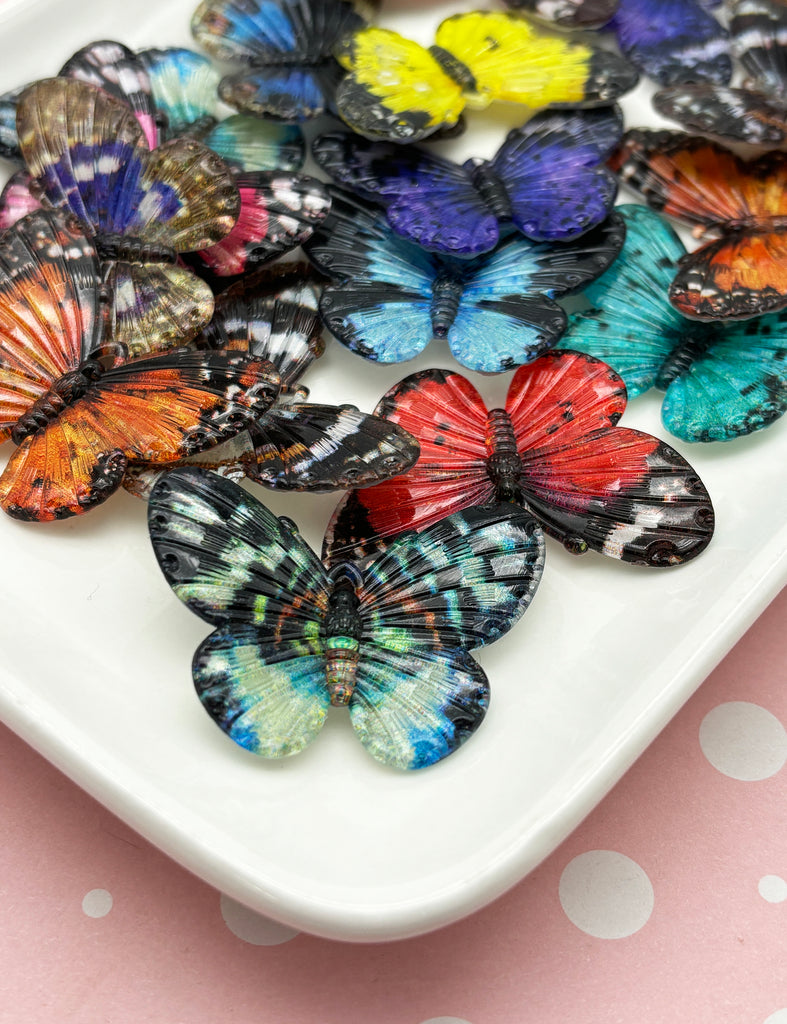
(388, 639)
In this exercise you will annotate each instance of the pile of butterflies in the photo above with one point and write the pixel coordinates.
(151, 338)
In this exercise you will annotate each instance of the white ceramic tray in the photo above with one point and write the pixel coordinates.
(96, 651)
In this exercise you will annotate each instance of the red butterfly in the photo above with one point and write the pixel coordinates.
(555, 447)
(77, 410)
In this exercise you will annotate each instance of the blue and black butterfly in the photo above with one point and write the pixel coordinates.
(722, 380)
(390, 641)
(297, 445)
(547, 180)
(389, 298)
(287, 43)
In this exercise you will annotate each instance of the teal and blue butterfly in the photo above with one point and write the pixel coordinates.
(388, 297)
(287, 47)
(293, 637)
(721, 379)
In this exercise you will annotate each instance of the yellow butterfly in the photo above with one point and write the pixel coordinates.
(397, 90)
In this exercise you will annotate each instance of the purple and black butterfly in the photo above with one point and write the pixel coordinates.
(547, 181)
(389, 641)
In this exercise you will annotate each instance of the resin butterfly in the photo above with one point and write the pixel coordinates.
(397, 90)
(755, 112)
(673, 41)
(288, 45)
(744, 272)
(295, 445)
(389, 642)
(77, 410)
(555, 447)
(458, 210)
(721, 380)
(390, 297)
(87, 154)
(568, 13)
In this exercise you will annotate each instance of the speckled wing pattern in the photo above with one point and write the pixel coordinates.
(583, 14)
(673, 41)
(555, 447)
(427, 600)
(389, 297)
(721, 380)
(755, 111)
(87, 153)
(9, 141)
(395, 89)
(743, 273)
(184, 86)
(288, 44)
(458, 210)
(17, 199)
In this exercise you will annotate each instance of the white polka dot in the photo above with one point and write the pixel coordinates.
(606, 894)
(253, 927)
(743, 741)
(772, 888)
(780, 1017)
(97, 903)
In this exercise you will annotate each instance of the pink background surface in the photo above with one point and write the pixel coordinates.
(685, 863)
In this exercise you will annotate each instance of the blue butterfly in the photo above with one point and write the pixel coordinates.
(722, 380)
(288, 44)
(389, 641)
(547, 180)
(389, 297)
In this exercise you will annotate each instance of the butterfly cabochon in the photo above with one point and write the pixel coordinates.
(555, 447)
(77, 410)
(296, 444)
(287, 47)
(743, 273)
(395, 89)
(584, 14)
(721, 380)
(87, 154)
(388, 297)
(390, 641)
(460, 210)
(754, 111)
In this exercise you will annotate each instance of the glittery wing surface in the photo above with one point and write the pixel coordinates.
(278, 212)
(261, 675)
(111, 66)
(759, 32)
(184, 86)
(592, 484)
(728, 113)
(507, 315)
(288, 94)
(673, 40)
(578, 191)
(379, 304)
(429, 200)
(448, 418)
(155, 410)
(632, 327)
(50, 314)
(568, 13)
(424, 601)
(17, 199)
(9, 141)
(509, 59)
(248, 143)
(307, 447)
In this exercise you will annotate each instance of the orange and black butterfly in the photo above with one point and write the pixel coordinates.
(743, 272)
(77, 409)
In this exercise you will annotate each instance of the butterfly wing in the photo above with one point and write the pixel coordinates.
(729, 113)
(507, 314)
(278, 212)
(261, 674)
(568, 13)
(9, 140)
(380, 302)
(448, 418)
(429, 200)
(50, 311)
(579, 191)
(632, 327)
(290, 94)
(592, 484)
(759, 31)
(111, 66)
(17, 199)
(184, 85)
(326, 448)
(425, 601)
(673, 40)
(151, 410)
(249, 143)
